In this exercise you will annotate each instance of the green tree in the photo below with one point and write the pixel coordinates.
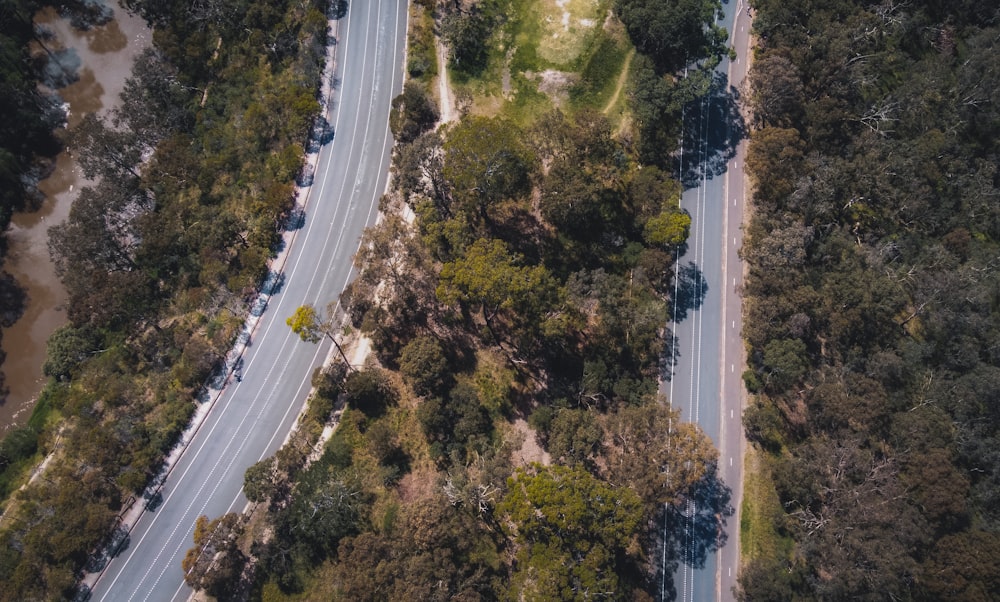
(775, 90)
(260, 480)
(327, 505)
(774, 162)
(306, 323)
(369, 391)
(389, 299)
(434, 551)
(668, 229)
(574, 437)
(785, 363)
(490, 277)
(215, 563)
(66, 349)
(964, 566)
(424, 366)
(97, 253)
(466, 29)
(652, 451)
(413, 113)
(674, 33)
(486, 162)
(106, 152)
(457, 427)
(571, 532)
(577, 204)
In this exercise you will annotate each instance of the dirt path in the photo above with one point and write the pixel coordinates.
(447, 99)
(622, 78)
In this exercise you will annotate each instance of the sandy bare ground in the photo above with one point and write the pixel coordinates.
(445, 94)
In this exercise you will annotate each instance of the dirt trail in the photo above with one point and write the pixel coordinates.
(447, 98)
(622, 78)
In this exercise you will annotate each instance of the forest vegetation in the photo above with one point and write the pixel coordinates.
(160, 258)
(506, 439)
(871, 301)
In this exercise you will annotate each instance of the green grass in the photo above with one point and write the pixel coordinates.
(562, 35)
(21, 449)
(761, 512)
(539, 35)
(421, 60)
(599, 75)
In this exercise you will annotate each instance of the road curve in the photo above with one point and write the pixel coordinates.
(251, 418)
(706, 383)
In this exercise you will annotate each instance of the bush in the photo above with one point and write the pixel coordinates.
(424, 366)
(369, 392)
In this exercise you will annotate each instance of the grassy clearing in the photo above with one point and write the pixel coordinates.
(547, 54)
(761, 511)
(421, 56)
(602, 74)
(568, 28)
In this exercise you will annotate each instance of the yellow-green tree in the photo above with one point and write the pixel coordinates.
(668, 229)
(520, 298)
(307, 323)
(571, 531)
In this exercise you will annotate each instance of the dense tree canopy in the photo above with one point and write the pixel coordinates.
(160, 256)
(871, 264)
(528, 298)
(533, 287)
(569, 530)
(674, 33)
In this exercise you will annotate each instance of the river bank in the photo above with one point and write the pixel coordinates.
(96, 61)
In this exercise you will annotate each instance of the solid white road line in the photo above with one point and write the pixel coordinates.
(239, 426)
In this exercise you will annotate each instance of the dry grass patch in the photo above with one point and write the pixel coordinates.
(566, 25)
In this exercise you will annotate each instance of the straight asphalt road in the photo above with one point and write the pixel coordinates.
(251, 418)
(706, 383)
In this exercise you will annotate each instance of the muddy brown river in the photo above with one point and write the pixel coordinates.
(102, 57)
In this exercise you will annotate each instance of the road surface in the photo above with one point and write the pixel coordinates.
(706, 383)
(251, 418)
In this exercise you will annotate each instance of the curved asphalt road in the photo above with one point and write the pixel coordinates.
(251, 418)
(706, 384)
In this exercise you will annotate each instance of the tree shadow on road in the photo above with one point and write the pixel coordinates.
(690, 295)
(337, 9)
(668, 360)
(713, 127)
(690, 532)
(691, 290)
